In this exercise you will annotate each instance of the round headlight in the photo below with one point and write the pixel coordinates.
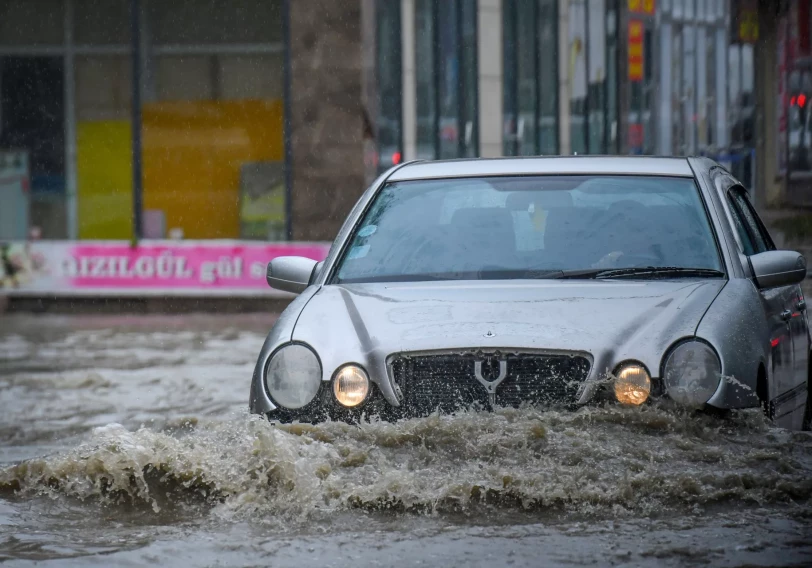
(293, 377)
(692, 373)
(351, 385)
(632, 384)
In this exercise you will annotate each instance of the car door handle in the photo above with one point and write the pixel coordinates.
(786, 315)
(801, 306)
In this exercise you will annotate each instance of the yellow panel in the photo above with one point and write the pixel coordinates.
(104, 179)
(193, 151)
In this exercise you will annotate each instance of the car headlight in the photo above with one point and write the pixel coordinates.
(293, 376)
(351, 385)
(632, 384)
(692, 373)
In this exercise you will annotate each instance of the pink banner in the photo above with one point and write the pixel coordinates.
(151, 268)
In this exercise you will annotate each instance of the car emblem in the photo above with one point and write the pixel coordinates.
(489, 333)
(490, 378)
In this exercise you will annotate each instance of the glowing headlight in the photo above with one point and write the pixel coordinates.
(632, 384)
(351, 385)
(692, 373)
(293, 376)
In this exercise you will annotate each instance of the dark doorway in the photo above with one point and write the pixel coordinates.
(32, 118)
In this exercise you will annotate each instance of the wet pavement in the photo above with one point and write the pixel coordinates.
(125, 440)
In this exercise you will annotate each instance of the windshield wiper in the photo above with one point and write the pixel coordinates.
(661, 272)
(638, 271)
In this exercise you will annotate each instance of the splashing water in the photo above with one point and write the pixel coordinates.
(606, 461)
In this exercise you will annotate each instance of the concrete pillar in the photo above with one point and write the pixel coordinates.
(491, 122)
(327, 172)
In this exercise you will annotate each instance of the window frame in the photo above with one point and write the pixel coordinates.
(737, 198)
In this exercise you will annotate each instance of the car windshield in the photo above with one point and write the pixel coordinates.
(529, 227)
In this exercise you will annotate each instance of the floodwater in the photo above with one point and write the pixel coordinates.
(125, 441)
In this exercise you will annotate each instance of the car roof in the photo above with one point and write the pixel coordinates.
(476, 167)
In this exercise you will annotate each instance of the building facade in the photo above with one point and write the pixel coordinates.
(265, 119)
(532, 77)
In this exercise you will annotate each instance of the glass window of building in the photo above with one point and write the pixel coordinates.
(212, 125)
(548, 77)
(578, 76)
(446, 77)
(388, 72)
(33, 111)
(592, 72)
(612, 53)
(103, 97)
(698, 76)
(32, 121)
(101, 22)
(530, 82)
(424, 78)
(32, 22)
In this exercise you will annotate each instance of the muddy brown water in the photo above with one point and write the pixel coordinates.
(125, 440)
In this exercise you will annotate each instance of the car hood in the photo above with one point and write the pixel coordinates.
(611, 320)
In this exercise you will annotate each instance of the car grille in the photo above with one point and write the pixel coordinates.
(447, 382)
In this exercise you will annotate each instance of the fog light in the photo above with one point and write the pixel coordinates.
(351, 386)
(632, 384)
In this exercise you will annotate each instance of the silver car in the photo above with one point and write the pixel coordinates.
(561, 281)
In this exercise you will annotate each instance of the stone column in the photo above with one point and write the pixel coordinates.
(326, 113)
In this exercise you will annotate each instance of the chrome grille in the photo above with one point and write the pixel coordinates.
(447, 382)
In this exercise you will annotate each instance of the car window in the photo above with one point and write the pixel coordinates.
(518, 227)
(754, 236)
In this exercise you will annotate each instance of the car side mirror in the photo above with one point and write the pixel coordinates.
(290, 273)
(778, 268)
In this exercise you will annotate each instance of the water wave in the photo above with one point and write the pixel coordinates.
(598, 461)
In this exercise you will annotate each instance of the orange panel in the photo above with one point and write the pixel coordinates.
(192, 153)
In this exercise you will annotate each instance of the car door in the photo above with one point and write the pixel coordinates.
(796, 306)
(785, 305)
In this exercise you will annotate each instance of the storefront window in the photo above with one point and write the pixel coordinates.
(470, 78)
(578, 75)
(548, 77)
(711, 141)
(424, 77)
(214, 22)
(596, 62)
(611, 77)
(101, 22)
(448, 75)
(446, 47)
(530, 77)
(32, 23)
(741, 94)
(689, 87)
(389, 126)
(212, 120)
(32, 121)
(103, 143)
(592, 70)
